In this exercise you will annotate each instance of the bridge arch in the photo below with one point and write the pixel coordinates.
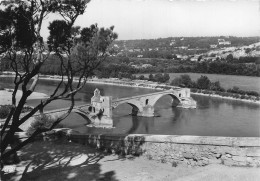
(136, 106)
(175, 99)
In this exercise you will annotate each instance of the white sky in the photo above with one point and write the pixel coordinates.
(147, 19)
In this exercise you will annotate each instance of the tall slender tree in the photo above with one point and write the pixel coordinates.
(80, 52)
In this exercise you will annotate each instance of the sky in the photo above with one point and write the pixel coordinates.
(151, 19)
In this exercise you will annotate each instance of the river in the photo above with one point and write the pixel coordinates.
(213, 116)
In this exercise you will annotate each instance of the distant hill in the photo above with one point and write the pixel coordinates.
(149, 48)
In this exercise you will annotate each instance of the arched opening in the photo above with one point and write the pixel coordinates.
(166, 101)
(146, 101)
(180, 95)
(90, 108)
(125, 109)
(84, 116)
(94, 110)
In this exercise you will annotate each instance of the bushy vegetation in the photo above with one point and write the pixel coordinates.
(236, 90)
(205, 86)
(42, 121)
(121, 67)
(5, 110)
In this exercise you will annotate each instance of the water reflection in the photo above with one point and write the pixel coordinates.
(141, 125)
(177, 114)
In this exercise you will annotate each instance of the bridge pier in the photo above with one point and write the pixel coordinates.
(135, 111)
(148, 111)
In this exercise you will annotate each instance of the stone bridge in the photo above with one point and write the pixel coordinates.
(143, 105)
(99, 112)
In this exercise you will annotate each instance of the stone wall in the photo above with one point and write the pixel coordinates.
(190, 150)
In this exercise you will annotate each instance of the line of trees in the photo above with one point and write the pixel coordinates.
(161, 78)
(244, 66)
(203, 83)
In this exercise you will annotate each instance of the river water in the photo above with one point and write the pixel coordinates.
(213, 116)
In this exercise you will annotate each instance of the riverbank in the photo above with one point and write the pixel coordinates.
(6, 96)
(224, 97)
(158, 86)
(144, 84)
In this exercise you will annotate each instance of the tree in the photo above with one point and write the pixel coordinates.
(158, 77)
(151, 78)
(176, 81)
(79, 51)
(229, 58)
(186, 80)
(203, 82)
(141, 77)
(166, 77)
(215, 86)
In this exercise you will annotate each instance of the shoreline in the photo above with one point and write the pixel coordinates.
(145, 85)
(6, 96)
(224, 97)
(195, 93)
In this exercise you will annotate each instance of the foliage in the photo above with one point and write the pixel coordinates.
(203, 82)
(77, 52)
(41, 122)
(229, 57)
(5, 110)
(162, 78)
(214, 88)
(241, 92)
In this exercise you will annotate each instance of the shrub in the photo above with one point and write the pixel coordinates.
(203, 82)
(42, 121)
(206, 92)
(193, 90)
(252, 93)
(174, 164)
(236, 96)
(4, 111)
(243, 97)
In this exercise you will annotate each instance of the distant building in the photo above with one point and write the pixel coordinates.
(135, 66)
(213, 46)
(183, 47)
(139, 56)
(223, 42)
(146, 65)
(115, 45)
(172, 43)
(179, 56)
(194, 59)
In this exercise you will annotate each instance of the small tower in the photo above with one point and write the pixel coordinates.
(102, 103)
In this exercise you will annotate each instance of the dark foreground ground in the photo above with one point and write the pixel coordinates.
(54, 161)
